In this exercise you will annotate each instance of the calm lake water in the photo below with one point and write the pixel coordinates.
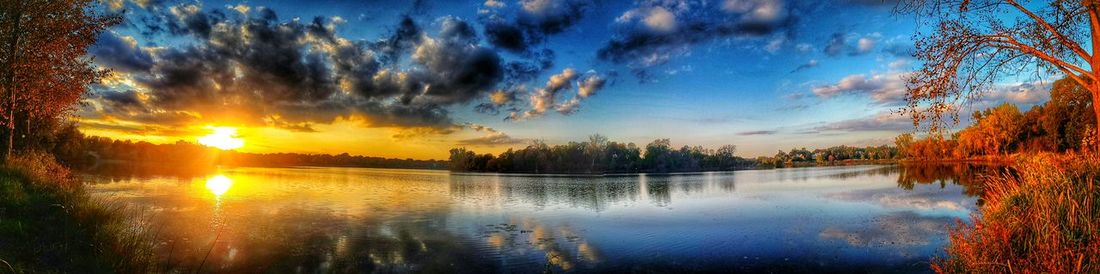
(857, 218)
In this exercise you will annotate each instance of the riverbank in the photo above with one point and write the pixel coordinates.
(984, 159)
(48, 223)
(1043, 217)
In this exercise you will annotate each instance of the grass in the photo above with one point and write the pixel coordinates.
(1042, 218)
(49, 224)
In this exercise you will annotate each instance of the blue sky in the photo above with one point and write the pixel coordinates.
(761, 74)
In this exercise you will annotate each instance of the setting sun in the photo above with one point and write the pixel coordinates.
(224, 138)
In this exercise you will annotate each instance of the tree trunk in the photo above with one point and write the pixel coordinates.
(1096, 110)
(1094, 88)
(13, 46)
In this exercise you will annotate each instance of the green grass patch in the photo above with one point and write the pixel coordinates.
(49, 224)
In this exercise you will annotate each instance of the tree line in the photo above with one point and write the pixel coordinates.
(1064, 123)
(75, 149)
(598, 155)
(825, 156)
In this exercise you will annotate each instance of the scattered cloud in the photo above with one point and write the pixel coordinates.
(882, 121)
(851, 44)
(1022, 93)
(547, 97)
(808, 65)
(889, 89)
(883, 88)
(758, 132)
(491, 137)
(654, 32)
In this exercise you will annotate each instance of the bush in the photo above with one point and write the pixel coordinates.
(41, 168)
(1042, 218)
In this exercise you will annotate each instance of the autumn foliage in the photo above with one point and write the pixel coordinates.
(1065, 123)
(44, 68)
(1040, 219)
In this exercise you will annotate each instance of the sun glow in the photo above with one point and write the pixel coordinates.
(224, 138)
(218, 185)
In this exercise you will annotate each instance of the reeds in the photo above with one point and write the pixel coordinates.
(1043, 217)
(49, 223)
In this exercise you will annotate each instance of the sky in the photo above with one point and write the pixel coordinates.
(413, 79)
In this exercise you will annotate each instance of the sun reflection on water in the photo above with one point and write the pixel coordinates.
(218, 185)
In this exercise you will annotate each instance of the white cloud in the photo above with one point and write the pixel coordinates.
(1021, 93)
(537, 6)
(883, 88)
(882, 121)
(865, 44)
(242, 8)
(545, 99)
(494, 4)
(775, 44)
(660, 19)
(804, 47)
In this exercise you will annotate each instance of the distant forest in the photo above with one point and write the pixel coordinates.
(597, 155)
(75, 149)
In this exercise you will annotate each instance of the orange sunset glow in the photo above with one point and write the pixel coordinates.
(224, 138)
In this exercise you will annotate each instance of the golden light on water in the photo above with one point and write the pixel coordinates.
(224, 138)
(218, 185)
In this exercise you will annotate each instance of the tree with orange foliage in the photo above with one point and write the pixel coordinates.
(44, 68)
(974, 44)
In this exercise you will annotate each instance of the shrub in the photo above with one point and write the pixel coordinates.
(1042, 218)
(41, 168)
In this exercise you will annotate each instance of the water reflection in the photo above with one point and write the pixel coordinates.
(218, 185)
(864, 218)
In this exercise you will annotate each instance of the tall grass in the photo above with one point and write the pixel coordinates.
(1042, 218)
(49, 223)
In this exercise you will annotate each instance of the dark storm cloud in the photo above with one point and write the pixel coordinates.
(259, 69)
(256, 63)
(130, 105)
(121, 53)
(248, 66)
(123, 99)
(403, 39)
(506, 36)
(523, 27)
(655, 31)
(531, 22)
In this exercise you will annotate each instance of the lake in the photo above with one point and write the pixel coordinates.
(832, 219)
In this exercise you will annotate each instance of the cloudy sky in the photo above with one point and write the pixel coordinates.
(416, 78)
